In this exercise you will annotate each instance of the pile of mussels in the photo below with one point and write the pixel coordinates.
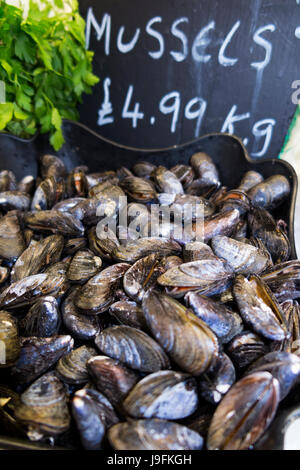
(144, 343)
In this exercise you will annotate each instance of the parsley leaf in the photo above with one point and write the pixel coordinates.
(45, 67)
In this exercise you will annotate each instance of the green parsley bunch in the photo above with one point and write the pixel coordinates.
(45, 68)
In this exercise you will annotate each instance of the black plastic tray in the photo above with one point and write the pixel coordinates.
(85, 147)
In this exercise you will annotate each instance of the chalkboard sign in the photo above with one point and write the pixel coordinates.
(172, 70)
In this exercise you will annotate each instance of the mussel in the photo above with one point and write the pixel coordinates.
(189, 342)
(132, 347)
(93, 414)
(259, 308)
(28, 290)
(83, 327)
(244, 258)
(142, 276)
(72, 367)
(37, 257)
(164, 394)
(215, 383)
(244, 413)
(271, 192)
(112, 378)
(207, 276)
(9, 340)
(129, 313)
(43, 318)
(142, 247)
(43, 408)
(98, 293)
(223, 321)
(38, 355)
(153, 434)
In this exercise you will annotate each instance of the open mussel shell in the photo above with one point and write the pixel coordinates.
(28, 290)
(164, 394)
(153, 434)
(43, 408)
(54, 221)
(84, 327)
(9, 340)
(215, 383)
(98, 293)
(132, 347)
(224, 322)
(43, 318)
(144, 247)
(112, 378)
(246, 348)
(189, 342)
(12, 243)
(244, 413)
(38, 256)
(263, 226)
(259, 308)
(271, 192)
(244, 258)
(72, 367)
(38, 355)
(93, 415)
(285, 367)
(83, 266)
(129, 313)
(208, 276)
(142, 276)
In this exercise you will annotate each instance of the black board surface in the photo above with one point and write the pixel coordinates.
(172, 70)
